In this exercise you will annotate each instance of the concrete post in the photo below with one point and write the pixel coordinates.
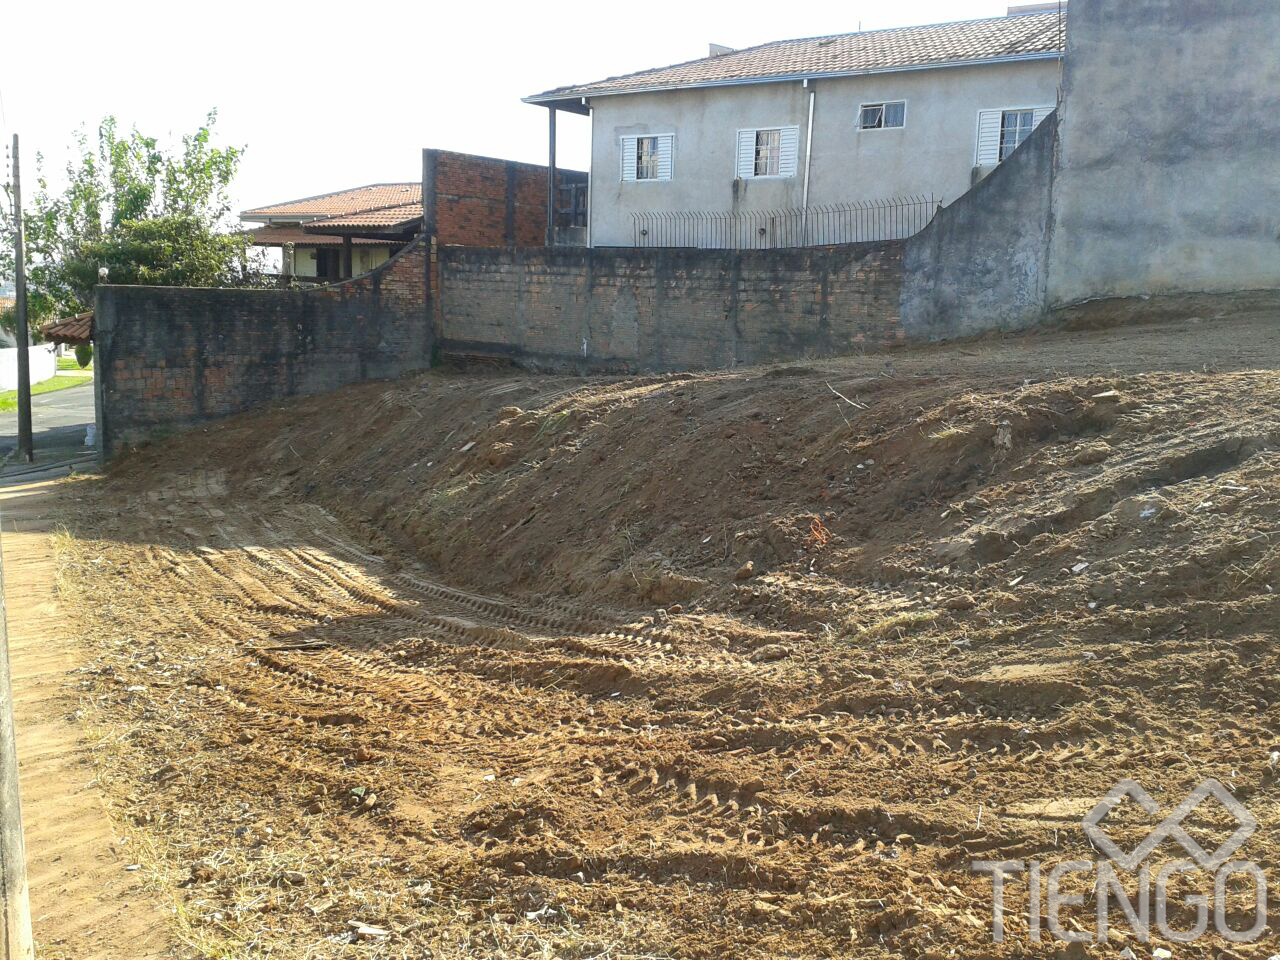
(551, 178)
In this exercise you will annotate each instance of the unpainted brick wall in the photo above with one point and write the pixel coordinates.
(668, 309)
(171, 357)
(483, 202)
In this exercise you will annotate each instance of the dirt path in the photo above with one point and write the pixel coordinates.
(84, 903)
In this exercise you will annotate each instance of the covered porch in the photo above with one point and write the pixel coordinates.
(568, 191)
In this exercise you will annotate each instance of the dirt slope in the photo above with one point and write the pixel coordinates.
(733, 665)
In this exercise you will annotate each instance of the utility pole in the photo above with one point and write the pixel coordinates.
(25, 449)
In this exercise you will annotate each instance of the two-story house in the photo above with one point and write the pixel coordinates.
(798, 125)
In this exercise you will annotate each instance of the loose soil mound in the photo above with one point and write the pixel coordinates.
(750, 664)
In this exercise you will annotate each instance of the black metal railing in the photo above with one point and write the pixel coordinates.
(864, 221)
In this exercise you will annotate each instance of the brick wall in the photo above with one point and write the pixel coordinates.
(483, 202)
(170, 357)
(668, 309)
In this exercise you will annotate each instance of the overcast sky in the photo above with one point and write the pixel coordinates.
(328, 95)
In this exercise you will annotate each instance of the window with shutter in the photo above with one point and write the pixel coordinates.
(768, 152)
(1000, 132)
(647, 158)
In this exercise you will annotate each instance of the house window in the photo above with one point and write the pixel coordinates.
(647, 158)
(883, 116)
(1000, 132)
(768, 152)
(1015, 126)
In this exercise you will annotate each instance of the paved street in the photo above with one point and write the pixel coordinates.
(57, 419)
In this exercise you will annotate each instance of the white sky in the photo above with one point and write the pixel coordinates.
(331, 95)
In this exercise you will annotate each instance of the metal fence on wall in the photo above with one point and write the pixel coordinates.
(858, 222)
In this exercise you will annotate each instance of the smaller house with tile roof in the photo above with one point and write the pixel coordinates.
(852, 121)
(462, 200)
(334, 236)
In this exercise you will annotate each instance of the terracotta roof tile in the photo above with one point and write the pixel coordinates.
(77, 329)
(279, 236)
(871, 51)
(342, 202)
(405, 213)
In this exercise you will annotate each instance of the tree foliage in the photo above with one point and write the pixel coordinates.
(177, 250)
(149, 214)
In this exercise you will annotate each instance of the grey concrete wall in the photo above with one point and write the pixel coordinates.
(168, 358)
(630, 310)
(934, 153)
(1164, 181)
(982, 263)
(1169, 175)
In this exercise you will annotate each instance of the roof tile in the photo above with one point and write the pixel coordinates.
(343, 202)
(77, 329)
(894, 49)
(382, 217)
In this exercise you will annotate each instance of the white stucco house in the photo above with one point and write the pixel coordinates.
(797, 126)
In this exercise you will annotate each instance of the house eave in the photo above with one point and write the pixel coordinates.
(278, 221)
(563, 101)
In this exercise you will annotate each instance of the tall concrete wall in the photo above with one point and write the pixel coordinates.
(668, 309)
(169, 358)
(1169, 175)
(983, 263)
(1164, 180)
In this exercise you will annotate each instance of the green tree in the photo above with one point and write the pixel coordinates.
(149, 214)
(176, 250)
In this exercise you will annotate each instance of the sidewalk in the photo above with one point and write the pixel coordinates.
(84, 903)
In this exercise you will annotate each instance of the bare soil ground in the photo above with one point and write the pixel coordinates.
(747, 664)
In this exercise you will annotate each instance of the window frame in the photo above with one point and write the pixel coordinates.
(781, 130)
(637, 137)
(883, 105)
(1021, 113)
(651, 161)
(773, 159)
(1039, 112)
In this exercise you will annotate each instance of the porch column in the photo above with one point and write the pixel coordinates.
(551, 180)
(346, 258)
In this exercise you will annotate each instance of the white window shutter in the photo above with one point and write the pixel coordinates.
(1041, 113)
(788, 158)
(628, 159)
(746, 154)
(665, 145)
(989, 138)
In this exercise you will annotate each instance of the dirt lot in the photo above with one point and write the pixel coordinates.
(746, 664)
